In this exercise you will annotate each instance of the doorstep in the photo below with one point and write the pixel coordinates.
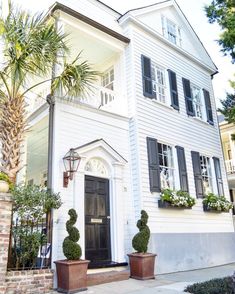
(107, 275)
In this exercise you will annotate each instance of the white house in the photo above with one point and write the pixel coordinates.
(149, 123)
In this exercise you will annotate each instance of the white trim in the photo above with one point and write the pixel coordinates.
(114, 164)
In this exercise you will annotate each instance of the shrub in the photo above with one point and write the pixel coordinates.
(219, 203)
(141, 239)
(177, 198)
(215, 286)
(32, 202)
(71, 249)
(30, 207)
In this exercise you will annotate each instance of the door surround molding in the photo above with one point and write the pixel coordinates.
(110, 165)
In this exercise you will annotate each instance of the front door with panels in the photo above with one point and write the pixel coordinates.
(97, 220)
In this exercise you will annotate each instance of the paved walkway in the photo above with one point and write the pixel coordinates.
(173, 283)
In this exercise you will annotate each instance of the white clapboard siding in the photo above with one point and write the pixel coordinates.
(175, 128)
(75, 126)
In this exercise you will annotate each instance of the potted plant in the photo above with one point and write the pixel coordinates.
(5, 183)
(214, 203)
(175, 199)
(141, 262)
(72, 273)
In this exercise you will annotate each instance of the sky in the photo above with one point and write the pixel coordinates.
(194, 11)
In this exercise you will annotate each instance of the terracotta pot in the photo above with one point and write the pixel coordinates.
(71, 275)
(142, 265)
(4, 186)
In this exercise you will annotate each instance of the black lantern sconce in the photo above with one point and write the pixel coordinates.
(71, 162)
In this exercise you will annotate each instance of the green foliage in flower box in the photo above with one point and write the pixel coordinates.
(177, 198)
(218, 203)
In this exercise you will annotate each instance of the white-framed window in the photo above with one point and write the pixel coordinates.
(206, 174)
(197, 101)
(107, 79)
(171, 31)
(166, 164)
(159, 82)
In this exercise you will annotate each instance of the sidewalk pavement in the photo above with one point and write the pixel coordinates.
(173, 283)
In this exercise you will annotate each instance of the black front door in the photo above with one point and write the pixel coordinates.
(97, 220)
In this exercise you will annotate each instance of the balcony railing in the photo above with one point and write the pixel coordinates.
(230, 166)
(97, 97)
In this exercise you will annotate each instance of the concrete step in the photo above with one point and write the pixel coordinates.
(102, 276)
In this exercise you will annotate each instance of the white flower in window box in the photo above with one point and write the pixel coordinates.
(215, 203)
(176, 199)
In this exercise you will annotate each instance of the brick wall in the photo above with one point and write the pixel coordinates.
(30, 281)
(5, 223)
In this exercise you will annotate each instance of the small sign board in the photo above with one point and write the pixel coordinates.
(96, 220)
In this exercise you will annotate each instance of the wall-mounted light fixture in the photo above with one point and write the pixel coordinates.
(71, 162)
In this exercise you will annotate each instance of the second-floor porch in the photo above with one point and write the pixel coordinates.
(104, 53)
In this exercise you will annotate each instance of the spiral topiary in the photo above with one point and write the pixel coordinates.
(71, 249)
(140, 240)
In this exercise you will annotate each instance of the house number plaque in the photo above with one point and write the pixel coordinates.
(96, 220)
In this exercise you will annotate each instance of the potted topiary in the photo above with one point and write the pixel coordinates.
(141, 262)
(5, 183)
(72, 273)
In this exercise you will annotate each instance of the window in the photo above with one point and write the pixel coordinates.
(159, 82)
(197, 101)
(206, 174)
(107, 79)
(171, 31)
(166, 165)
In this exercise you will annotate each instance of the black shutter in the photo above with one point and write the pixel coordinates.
(208, 107)
(147, 77)
(218, 175)
(173, 89)
(182, 169)
(188, 97)
(197, 174)
(153, 162)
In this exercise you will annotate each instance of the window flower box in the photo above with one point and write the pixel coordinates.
(166, 204)
(175, 199)
(214, 203)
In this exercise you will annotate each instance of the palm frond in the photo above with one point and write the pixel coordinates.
(75, 78)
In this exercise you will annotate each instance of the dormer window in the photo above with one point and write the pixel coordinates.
(171, 31)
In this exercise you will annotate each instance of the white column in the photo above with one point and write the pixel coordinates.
(117, 219)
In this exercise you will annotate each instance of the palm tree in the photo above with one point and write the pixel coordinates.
(30, 51)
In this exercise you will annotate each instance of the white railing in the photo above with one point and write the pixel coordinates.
(96, 96)
(230, 166)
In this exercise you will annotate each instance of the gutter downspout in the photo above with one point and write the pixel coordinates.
(51, 101)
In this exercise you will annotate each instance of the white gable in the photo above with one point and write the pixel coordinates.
(156, 16)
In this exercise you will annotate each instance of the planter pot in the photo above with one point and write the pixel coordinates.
(4, 186)
(142, 265)
(209, 209)
(71, 275)
(165, 204)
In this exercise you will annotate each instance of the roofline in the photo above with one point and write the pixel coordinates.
(109, 7)
(100, 140)
(197, 37)
(142, 7)
(93, 23)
